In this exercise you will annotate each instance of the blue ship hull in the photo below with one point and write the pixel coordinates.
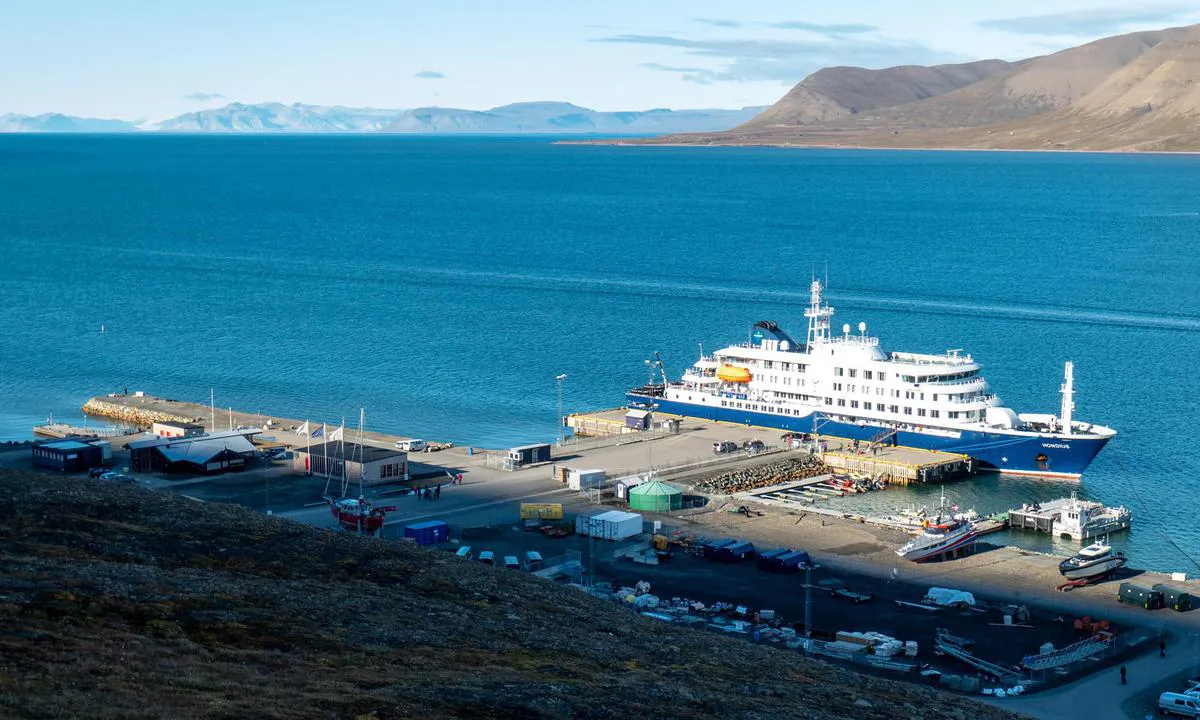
(1046, 455)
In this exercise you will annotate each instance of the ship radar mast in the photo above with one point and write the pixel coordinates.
(818, 315)
(1068, 396)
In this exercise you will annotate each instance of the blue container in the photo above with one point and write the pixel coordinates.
(428, 533)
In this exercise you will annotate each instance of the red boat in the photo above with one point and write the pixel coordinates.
(359, 515)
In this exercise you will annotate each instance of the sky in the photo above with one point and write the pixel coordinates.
(150, 59)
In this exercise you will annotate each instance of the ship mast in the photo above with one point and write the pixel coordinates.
(818, 315)
(1068, 396)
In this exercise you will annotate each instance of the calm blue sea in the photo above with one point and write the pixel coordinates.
(442, 283)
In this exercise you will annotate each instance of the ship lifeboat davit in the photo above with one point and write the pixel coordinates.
(733, 374)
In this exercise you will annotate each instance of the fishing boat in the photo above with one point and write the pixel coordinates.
(938, 539)
(847, 386)
(1094, 561)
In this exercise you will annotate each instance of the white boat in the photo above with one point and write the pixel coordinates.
(1094, 561)
(939, 539)
(1083, 519)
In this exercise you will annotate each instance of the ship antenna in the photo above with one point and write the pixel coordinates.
(1068, 396)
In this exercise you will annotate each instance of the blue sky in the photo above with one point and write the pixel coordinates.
(147, 59)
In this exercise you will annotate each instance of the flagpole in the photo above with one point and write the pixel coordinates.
(308, 447)
(325, 453)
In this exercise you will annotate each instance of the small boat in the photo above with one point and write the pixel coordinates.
(1083, 519)
(1094, 561)
(359, 514)
(939, 539)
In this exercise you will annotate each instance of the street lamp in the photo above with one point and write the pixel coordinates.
(559, 379)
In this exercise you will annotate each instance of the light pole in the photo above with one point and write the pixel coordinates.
(559, 379)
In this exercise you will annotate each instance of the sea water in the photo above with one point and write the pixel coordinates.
(443, 283)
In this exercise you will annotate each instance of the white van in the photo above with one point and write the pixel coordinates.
(411, 445)
(1179, 704)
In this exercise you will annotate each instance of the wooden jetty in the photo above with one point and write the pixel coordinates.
(63, 430)
(900, 465)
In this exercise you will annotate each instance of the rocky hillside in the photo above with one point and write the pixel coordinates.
(1139, 91)
(120, 602)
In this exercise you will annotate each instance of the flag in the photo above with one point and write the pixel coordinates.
(319, 431)
(303, 429)
(337, 434)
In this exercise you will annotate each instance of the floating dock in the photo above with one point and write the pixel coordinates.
(62, 430)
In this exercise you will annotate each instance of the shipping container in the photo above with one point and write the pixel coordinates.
(1142, 597)
(586, 479)
(612, 525)
(1174, 598)
(767, 557)
(782, 561)
(487, 557)
(736, 551)
(511, 562)
(541, 511)
(710, 547)
(464, 552)
(638, 419)
(428, 533)
(529, 454)
(533, 560)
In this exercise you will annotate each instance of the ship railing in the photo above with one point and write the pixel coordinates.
(905, 359)
(969, 401)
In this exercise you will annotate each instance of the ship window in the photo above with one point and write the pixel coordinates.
(934, 413)
(953, 414)
(908, 411)
(828, 401)
(853, 403)
(893, 408)
(853, 372)
(882, 375)
(837, 387)
(921, 412)
(935, 397)
(866, 374)
(879, 407)
(841, 402)
(838, 372)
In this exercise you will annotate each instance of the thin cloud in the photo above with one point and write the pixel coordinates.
(1085, 23)
(203, 96)
(785, 61)
(429, 75)
(718, 22)
(833, 29)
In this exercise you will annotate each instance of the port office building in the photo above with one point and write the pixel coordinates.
(67, 455)
(376, 465)
(212, 453)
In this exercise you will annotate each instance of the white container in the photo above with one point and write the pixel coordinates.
(612, 525)
(910, 648)
(585, 479)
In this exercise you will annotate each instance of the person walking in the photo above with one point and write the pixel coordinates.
(1123, 675)
(1162, 648)
(437, 493)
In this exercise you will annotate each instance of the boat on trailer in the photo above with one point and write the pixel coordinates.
(1093, 562)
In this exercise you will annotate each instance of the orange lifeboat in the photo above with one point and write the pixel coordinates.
(732, 374)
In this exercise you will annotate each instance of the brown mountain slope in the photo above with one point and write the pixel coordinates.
(1139, 91)
(119, 602)
(834, 93)
(1031, 87)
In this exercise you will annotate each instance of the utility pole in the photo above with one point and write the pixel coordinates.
(560, 379)
(807, 606)
(212, 411)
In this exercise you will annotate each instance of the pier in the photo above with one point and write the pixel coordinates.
(900, 465)
(63, 430)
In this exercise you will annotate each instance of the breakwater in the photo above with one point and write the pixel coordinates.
(131, 413)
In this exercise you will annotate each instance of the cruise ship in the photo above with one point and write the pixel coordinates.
(847, 386)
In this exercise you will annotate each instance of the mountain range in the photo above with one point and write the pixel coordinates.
(1139, 91)
(518, 118)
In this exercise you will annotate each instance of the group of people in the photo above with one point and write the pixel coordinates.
(424, 492)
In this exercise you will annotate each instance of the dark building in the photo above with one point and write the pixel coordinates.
(67, 455)
(375, 465)
(214, 453)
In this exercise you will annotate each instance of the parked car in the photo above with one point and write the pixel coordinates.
(754, 446)
(97, 472)
(1179, 704)
(411, 445)
(116, 477)
(725, 446)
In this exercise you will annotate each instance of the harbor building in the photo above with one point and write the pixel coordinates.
(172, 429)
(375, 465)
(203, 454)
(67, 455)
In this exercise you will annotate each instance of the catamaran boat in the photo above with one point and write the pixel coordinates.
(939, 539)
(846, 386)
(1083, 519)
(1094, 561)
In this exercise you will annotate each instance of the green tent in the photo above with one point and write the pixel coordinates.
(655, 496)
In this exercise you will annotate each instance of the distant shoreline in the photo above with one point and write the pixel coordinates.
(837, 146)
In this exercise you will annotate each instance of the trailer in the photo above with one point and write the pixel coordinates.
(611, 525)
(586, 479)
(1147, 598)
(1174, 598)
